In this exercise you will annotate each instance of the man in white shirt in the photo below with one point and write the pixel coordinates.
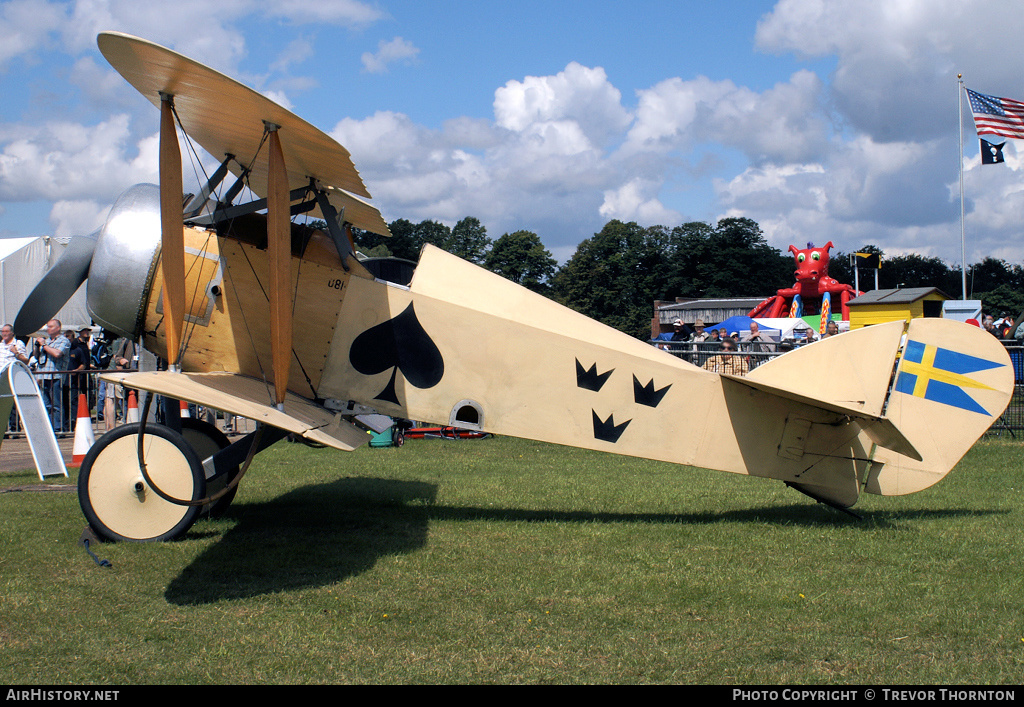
(10, 348)
(756, 341)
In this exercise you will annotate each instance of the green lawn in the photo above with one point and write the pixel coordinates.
(508, 561)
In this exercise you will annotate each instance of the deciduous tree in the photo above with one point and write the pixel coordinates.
(469, 240)
(522, 258)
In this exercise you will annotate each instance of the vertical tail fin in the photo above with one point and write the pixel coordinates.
(934, 389)
(952, 383)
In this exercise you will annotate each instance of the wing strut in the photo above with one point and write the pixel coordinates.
(172, 259)
(334, 221)
(279, 250)
(196, 204)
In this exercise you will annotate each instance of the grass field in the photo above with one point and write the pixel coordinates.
(508, 561)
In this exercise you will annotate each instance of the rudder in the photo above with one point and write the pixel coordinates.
(953, 381)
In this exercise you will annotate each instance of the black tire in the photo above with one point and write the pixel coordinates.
(397, 437)
(207, 440)
(117, 501)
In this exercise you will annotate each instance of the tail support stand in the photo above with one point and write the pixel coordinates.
(819, 499)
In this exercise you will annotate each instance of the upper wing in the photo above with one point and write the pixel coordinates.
(227, 117)
(358, 212)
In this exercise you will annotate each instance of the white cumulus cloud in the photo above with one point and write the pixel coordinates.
(577, 95)
(388, 53)
(634, 201)
(784, 123)
(62, 160)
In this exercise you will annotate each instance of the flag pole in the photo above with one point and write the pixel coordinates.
(960, 160)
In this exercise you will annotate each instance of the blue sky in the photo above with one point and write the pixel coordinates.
(820, 120)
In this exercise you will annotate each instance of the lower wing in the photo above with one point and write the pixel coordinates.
(248, 397)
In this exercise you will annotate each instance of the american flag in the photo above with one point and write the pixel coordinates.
(997, 116)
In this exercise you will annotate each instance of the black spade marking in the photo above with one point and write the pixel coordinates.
(590, 379)
(646, 394)
(607, 430)
(400, 343)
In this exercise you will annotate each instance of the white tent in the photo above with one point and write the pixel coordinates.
(785, 327)
(23, 262)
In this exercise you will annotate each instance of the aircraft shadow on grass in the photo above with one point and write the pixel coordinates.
(309, 537)
(318, 535)
(809, 515)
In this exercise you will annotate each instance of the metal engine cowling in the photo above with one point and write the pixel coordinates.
(124, 261)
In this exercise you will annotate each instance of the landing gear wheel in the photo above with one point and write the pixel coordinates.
(115, 497)
(397, 437)
(207, 440)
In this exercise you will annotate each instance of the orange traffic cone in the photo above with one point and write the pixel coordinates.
(84, 437)
(133, 407)
(184, 409)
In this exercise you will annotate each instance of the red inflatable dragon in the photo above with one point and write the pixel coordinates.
(813, 291)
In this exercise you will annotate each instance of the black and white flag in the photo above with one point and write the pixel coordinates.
(991, 154)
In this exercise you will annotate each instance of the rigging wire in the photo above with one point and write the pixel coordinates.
(192, 152)
(197, 166)
(245, 321)
(252, 269)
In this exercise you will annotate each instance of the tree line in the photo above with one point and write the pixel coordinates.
(615, 275)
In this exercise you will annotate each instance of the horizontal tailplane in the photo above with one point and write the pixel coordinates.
(951, 382)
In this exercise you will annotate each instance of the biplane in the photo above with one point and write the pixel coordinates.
(261, 316)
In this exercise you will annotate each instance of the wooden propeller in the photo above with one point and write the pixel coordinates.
(172, 259)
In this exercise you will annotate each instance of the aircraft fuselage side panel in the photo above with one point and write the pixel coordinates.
(507, 361)
(227, 323)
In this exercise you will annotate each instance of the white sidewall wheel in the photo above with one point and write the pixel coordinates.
(115, 497)
(207, 440)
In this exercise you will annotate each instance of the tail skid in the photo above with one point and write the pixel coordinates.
(823, 499)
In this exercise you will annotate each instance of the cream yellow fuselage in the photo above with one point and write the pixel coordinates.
(227, 323)
(465, 347)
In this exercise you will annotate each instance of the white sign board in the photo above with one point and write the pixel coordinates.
(18, 387)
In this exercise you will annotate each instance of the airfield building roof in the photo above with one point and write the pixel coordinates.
(710, 309)
(905, 295)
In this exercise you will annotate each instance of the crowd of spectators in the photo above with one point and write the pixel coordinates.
(722, 351)
(62, 361)
(1002, 328)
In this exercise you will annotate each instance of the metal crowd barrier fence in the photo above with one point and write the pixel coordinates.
(1011, 422)
(61, 395)
(699, 353)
